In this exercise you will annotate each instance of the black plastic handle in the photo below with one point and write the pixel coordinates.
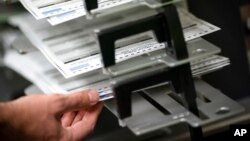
(90, 4)
(166, 26)
(108, 37)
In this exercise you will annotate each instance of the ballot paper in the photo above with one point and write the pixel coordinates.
(35, 67)
(59, 11)
(72, 48)
(46, 8)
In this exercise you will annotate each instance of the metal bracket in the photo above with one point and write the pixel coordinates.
(147, 117)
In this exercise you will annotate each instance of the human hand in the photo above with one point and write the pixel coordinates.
(51, 117)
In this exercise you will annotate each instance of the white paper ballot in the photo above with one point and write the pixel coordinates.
(47, 8)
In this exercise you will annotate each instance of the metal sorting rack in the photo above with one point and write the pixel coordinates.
(157, 89)
(169, 66)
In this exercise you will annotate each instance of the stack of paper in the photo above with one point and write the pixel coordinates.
(71, 47)
(66, 58)
(33, 66)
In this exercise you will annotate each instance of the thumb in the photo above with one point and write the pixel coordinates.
(80, 100)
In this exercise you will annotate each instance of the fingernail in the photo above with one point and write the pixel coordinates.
(93, 97)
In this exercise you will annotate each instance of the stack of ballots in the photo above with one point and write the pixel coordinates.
(66, 58)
